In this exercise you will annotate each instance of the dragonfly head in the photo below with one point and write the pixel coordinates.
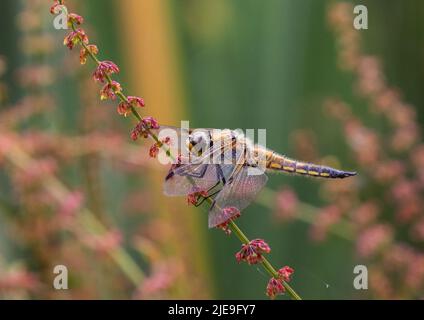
(198, 142)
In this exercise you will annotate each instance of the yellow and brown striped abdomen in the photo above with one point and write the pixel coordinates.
(281, 163)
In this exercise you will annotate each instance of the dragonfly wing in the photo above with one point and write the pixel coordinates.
(192, 178)
(238, 192)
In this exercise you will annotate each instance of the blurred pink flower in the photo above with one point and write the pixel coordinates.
(372, 239)
(408, 209)
(17, 279)
(103, 243)
(380, 284)
(404, 137)
(287, 204)
(162, 278)
(366, 213)
(418, 230)
(371, 80)
(388, 171)
(35, 172)
(36, 76)
(71, 204)
(404, 190)
(325, 218)
(363, 141)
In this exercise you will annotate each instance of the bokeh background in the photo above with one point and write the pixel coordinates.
(75, 190)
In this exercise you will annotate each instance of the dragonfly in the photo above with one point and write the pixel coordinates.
(228, 169)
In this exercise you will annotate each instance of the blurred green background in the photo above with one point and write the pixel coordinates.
(220, 64)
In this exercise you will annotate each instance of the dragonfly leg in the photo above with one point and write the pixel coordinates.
(220, 174)
(208, 197)
(221, 178)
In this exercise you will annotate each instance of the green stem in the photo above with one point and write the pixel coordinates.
(265, 263)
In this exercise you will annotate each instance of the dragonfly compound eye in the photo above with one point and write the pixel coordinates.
(198, 142)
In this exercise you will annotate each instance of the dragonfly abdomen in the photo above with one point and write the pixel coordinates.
(281, 163)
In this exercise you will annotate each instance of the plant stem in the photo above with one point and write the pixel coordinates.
(265, 263)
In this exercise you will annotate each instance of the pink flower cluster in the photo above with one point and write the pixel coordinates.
(124, 107)
(275, 285)
(143, 127)
(103, 73)
(252, 253)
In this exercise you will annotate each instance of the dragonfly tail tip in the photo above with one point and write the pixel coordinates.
(348, 174)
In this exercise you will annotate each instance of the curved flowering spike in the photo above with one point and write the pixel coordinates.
(253, 251)
(104, 69)
(285, 273)
(274, 287)
(109, 90)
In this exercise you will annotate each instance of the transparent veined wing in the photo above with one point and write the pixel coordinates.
(241, 189)
(194, 178)
(203, 172)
